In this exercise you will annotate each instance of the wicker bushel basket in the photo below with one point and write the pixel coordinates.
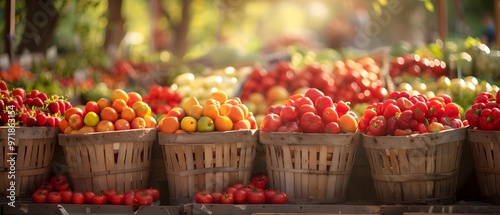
(485, 147)
(416, 169)
(35, 148)
(118, 160)
(310, 168)
(209, 161)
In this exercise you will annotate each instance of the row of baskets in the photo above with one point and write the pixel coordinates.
(310, 168)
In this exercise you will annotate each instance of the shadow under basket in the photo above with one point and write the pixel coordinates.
(416, 169)
(209, 161)
(118, 160)
(485, 147)
(32, 151)
(310, 168)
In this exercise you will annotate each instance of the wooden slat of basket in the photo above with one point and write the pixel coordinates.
(241, 158)
(30, 158)
(120, 161)
(313, 178)
(430, 168)
(100, 183)
(440, 154)
(110, 163)
(181, 188)
(190, 164)
(233, 176)
(332, 178)
(209, 177)
(287, 162)
(322, 179)
(496, 154)
(219, 162)
(305, 166)
(200, 178)
(227, 162)
(249, 159)
(343, 167)
(295, 151)
(404, 168)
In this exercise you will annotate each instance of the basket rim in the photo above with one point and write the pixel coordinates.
(233, 136)
(42, 132)
(144, 134)
(415, 141)
(296, 138)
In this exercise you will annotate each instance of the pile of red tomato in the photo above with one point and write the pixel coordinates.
(253, 193)
(404, 114)
(484, 114)
(311, 112)
(57, 191)
(162, 99)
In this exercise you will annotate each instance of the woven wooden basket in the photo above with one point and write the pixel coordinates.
(485, 147)
(35, 148)
(416, 169)
(116, 160)
(206, 161)
(310, 168)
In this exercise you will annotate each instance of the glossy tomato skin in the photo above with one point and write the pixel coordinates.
(216, 197)
(268, 194)
(256, 196)
(279, 198)
(67, 196)
(54, 198)
(39, 197)
(155, 193)
(129, 199)
(227, 198)
(117, 199)
(78, 198)
(231, 190)
(88, 197)
(99, 199)
(203, 197)
(311, 123)
(240, 196)
(144, 199)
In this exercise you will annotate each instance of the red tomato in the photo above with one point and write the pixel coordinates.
(279, 198)
(268, 194)
(304, 101)
(231, 190)
(313, 94)
(155, 193)
(289, 113)
(203, 197)
(39, 197)
(99, 199)
(117, 199)
(61, 186)
(238, 185)
(67, 196)
(323, 102)
(307, 108)
(227, 198)
(129, 199)
(329, 114)
(240, 196)
(271, 122)
(109, 193)
(88, 197)
(260, 180)
(54, 198)
(59, 178)
(332, 128)
(78, 198)
(256, 196)
(143, 198)
(311, 123)
(216, 196)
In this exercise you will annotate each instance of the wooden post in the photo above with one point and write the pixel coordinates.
(497, 22)
(10, 27)
(442, 6)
